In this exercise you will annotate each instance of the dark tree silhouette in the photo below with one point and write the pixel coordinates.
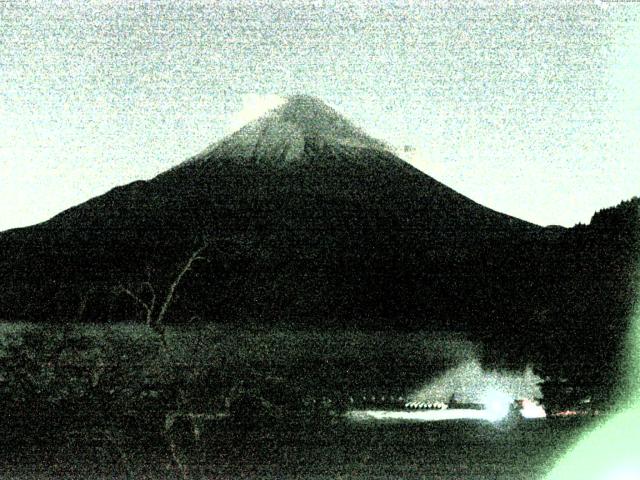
(146, 296)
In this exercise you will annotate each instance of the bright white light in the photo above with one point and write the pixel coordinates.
(496, 404)
(532, 410)
(420, 415)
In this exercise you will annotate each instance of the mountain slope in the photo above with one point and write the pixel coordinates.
(298, 153)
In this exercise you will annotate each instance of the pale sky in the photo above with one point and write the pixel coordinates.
(529, 108)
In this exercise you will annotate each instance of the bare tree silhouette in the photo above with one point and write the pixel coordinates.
(145, 294)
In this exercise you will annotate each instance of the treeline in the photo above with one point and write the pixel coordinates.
(55, 380)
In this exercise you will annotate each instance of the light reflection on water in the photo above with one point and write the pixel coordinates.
(422, 415)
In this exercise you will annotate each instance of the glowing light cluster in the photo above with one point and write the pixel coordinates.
(497, 404)
(423, 415)
(470, 383)
(532, 410)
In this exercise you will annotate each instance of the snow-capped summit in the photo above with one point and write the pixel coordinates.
(279, 137)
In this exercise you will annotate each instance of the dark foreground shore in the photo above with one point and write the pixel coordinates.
(342, 449)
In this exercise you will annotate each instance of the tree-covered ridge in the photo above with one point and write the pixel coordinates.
(624, 217)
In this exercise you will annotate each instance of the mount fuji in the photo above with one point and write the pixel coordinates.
(312, 222)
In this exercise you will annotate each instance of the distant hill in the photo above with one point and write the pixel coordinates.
(312, 222)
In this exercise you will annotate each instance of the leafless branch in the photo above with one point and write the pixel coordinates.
(195, 256)
(155, 317)
(148, 307)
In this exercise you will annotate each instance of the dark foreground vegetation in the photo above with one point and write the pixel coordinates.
(315, 449)
(114, 387)
(96, 401)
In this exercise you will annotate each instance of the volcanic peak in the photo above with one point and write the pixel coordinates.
(279, 137)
